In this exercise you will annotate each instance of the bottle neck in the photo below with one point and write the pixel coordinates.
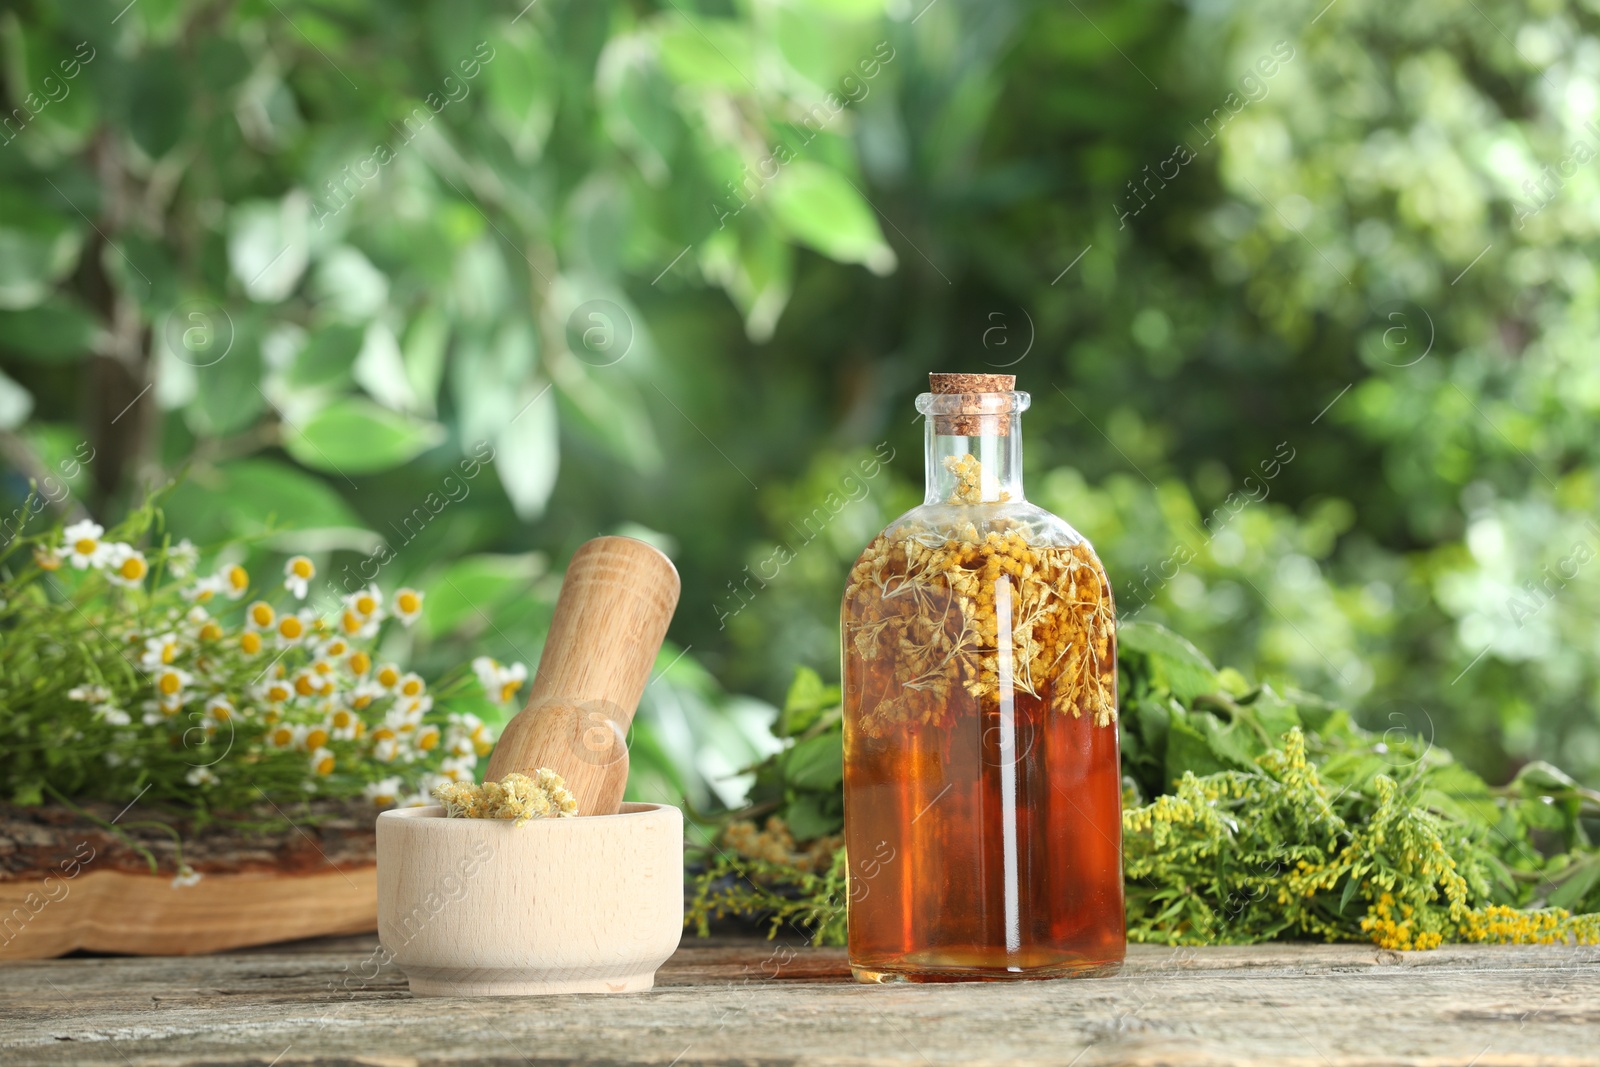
(982, 467)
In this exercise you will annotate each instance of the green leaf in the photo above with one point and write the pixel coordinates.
(158, 102)
(37, 249)
(1575, 887)
(328, 359)
(269, 245)
(819, 207)
(228, 396)
(356, 436)
(812, 816)
(423, 353)
(470, 589)
(707, 53)
(808, 698)
(527, 452)
(1174, 663)
(62, 329)
(816, 763)
(248, 496)
(1190, 748)
(16, 403)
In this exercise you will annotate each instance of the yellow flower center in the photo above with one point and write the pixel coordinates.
(238, 577)
(325, 765)
(316, 738)
(360, 662)
(412, 687)
(365, 604)
(388, 676)
(211, 631)
(291, 627)
(261, 613)
(85, 546)
(301, 567)
(169, 683)
(409, 603)
(251, 643)
(428, 740)
(133, 568)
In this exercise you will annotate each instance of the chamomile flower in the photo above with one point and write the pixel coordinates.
(388, 677)
(286, 735)
(204, 589)
(411, 685)
(160, 651)
(343, 724)
(310, 683)
(333, 648)
(363, 694)
(296, 573)
(126, 566)
(459, 769)
(383, 792)
(275, 691)
(385, 749)
(82, 546)
(427, 738)
(170, 683)
(182, 558)
(367, 603)
(359, 663)
(260, 616)
(511, 679)
(235, 581)
(89, 694)
(220, 709)
(316, 736)
(292, 629)
(407, 605)
(113, 715)
(201, 776)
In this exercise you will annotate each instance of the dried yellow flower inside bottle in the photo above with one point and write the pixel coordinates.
(982, 790)
(542, 795)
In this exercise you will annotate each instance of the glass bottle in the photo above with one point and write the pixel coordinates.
(982, 794)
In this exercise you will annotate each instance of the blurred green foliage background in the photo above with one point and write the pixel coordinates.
(1303, 293)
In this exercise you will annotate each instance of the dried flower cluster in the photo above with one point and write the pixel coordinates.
(924, 612)
(774, 843)
(541, 795)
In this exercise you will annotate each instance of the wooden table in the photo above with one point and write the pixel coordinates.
(752, 1002)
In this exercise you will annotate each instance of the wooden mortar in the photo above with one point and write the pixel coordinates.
(616, 601)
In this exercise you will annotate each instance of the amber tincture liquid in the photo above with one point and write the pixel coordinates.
(982, 788)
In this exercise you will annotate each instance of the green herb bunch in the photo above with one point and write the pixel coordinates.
(1248, 815)
(125, 672)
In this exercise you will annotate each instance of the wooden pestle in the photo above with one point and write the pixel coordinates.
(615, 604)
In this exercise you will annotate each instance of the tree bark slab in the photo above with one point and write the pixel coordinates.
(728, 1001)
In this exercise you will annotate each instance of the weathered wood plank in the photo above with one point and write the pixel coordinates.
(735, 1002)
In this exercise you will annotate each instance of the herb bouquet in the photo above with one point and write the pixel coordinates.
(128, 675)
(1248, 815)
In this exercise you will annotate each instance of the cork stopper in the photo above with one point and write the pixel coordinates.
(984, 415)
(971, 383)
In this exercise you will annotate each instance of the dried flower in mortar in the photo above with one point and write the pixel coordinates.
(542, 795)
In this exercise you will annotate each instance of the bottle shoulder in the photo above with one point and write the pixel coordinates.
(939, 523)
